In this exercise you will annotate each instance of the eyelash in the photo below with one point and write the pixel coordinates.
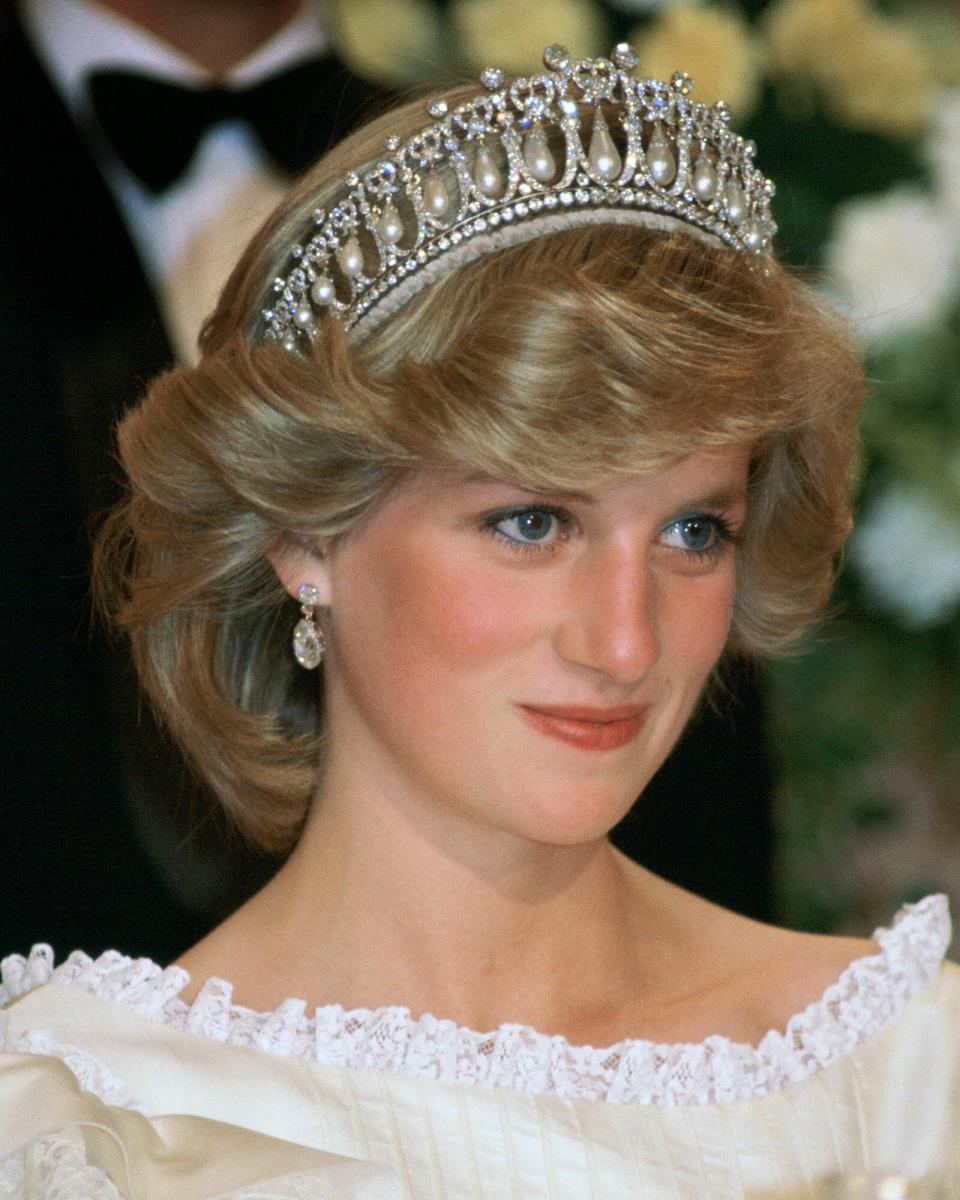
(724, 535)
(560, 515)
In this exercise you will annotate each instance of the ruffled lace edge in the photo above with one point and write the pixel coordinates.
(868, 994)
(90, 1073)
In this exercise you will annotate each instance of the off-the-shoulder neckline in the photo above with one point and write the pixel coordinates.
(868, 994)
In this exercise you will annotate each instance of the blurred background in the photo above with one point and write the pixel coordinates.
(832, 794)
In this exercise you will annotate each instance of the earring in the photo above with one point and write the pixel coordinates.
(308, 644)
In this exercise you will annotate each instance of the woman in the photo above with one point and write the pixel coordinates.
(536, 432)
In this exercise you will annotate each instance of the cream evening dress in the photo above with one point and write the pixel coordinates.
(112, 1086)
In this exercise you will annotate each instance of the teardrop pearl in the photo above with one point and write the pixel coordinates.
(323, 291)
(350, 257)
(660, 159)
(753, 235)
(486, 174)
(536, 154)
(705, 179)
(735, 202)
(303, 316)
(436, 198)
(390, 227)
(603, 155)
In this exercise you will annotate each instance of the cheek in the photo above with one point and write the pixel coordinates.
(416, 614)
(698, 624)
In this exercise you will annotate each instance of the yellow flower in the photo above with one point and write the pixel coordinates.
(869, 70)
(390, 41)
(938, 32)
(512, 34)
(887, 85)
(812, 37)
(713, 44)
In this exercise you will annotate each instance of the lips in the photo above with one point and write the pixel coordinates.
(588, 728)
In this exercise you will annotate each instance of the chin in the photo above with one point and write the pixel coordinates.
(573, 816)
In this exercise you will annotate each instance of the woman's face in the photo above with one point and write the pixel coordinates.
(525, 660)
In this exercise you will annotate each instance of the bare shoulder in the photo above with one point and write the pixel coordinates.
(794, 970)
(750, 977)
(255, 956)
(232, 953)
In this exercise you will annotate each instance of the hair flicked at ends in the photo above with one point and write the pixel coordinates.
(574, 358)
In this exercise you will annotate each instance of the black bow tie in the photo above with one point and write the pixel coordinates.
(154, 126)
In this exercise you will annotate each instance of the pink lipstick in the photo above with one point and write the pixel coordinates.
(585, 727)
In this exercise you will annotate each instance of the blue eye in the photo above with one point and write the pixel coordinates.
(699, 533)
(531, 527)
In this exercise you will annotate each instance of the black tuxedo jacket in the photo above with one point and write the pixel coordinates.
(84, 768)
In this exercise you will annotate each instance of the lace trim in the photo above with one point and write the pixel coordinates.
(869, 993)
(54, 1167)
(89, 1072)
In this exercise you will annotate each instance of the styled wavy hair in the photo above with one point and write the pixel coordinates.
(561, 363)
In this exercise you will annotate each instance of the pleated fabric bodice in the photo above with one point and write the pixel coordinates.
(105, 1069)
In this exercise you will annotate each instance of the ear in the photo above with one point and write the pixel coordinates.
(297, 562)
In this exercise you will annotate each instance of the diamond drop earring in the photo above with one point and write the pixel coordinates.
(308, 644)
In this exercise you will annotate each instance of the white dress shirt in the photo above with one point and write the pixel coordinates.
(189, 236)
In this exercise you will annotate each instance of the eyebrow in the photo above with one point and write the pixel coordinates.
(724, 498)
(556, 493)
(720, 498)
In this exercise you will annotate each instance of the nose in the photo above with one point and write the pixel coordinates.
(610, 620)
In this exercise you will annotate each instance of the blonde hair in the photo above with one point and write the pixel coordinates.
(563, 362)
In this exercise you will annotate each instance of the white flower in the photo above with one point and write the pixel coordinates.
(893, 260)
(907, 549)
(512, 34)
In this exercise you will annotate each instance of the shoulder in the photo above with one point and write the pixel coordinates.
(793, 971)
(756, 978)
(865, 981)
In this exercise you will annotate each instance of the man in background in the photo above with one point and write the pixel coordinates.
(144, 141)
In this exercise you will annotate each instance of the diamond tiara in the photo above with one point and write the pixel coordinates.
(486, 174)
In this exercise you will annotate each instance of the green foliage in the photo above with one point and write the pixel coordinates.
(868, 723)
(817, 164)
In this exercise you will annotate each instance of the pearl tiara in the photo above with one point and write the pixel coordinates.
(486, 174)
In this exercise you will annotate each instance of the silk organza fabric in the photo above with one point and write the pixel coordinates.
(112, 1087)
(89, 1150)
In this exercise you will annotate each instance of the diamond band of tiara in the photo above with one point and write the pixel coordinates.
(487, 173)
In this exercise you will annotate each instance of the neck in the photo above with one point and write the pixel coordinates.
(380, 905)
(217, 34)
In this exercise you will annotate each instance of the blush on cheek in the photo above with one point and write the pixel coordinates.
(699, 622)
(415, 636)
(416, 626)
(463, 612)
(717, 615)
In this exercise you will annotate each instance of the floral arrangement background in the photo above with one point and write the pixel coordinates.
(856, 107)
